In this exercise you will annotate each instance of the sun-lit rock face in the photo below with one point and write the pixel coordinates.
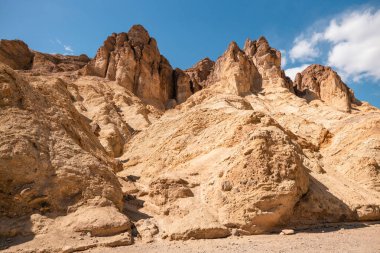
(235, 73)
(249, 177)
(50, 161)
(268, 62)
(134, 61)
(123, 147)
(320, 82)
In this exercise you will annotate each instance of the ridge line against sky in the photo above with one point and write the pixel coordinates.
(342, 34)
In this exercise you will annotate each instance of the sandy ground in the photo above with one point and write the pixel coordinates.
(358, 237)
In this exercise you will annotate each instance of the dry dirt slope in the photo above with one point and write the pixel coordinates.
(123, 148)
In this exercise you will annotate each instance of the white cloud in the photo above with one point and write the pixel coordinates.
(68, 49)
(354, 44)
(305, 48)
(292, 72)
(283, 58)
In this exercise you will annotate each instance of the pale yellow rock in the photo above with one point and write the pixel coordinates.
(263, 189)
(97, 221)
(234, 73)
(50, 161)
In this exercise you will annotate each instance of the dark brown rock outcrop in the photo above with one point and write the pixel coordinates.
(15, 54)
(184, 87)
(18, 56)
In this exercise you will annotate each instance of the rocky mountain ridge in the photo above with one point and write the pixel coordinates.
(122, 147)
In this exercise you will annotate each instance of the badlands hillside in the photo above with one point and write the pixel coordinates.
(123, 148)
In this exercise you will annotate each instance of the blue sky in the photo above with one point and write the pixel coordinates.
(188, 31)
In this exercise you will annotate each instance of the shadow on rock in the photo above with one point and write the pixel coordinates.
(15, 231)
(131, 208)
(320, 206)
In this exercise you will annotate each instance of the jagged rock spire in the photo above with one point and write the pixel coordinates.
(321, 82)
(134, 61)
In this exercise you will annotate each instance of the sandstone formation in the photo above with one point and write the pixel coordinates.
(235, 73)
(122, 147)
(50, 160)
(46, 63)
(199, 73)
(233, 180)
(184, 87)
(16, 54)
(268, 62)
(134, 61)
(320, 82)
(240, 72)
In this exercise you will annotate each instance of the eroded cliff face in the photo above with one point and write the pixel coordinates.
(320, 82)
(235, 73)
(134, 61)
(96, 152)
(268, 62)
(51, 162)
(48, 63)
(200, 72)
(16, 54)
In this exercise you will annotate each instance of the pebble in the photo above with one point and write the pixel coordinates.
(287, 232)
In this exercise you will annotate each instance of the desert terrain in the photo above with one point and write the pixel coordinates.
(123, 152)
